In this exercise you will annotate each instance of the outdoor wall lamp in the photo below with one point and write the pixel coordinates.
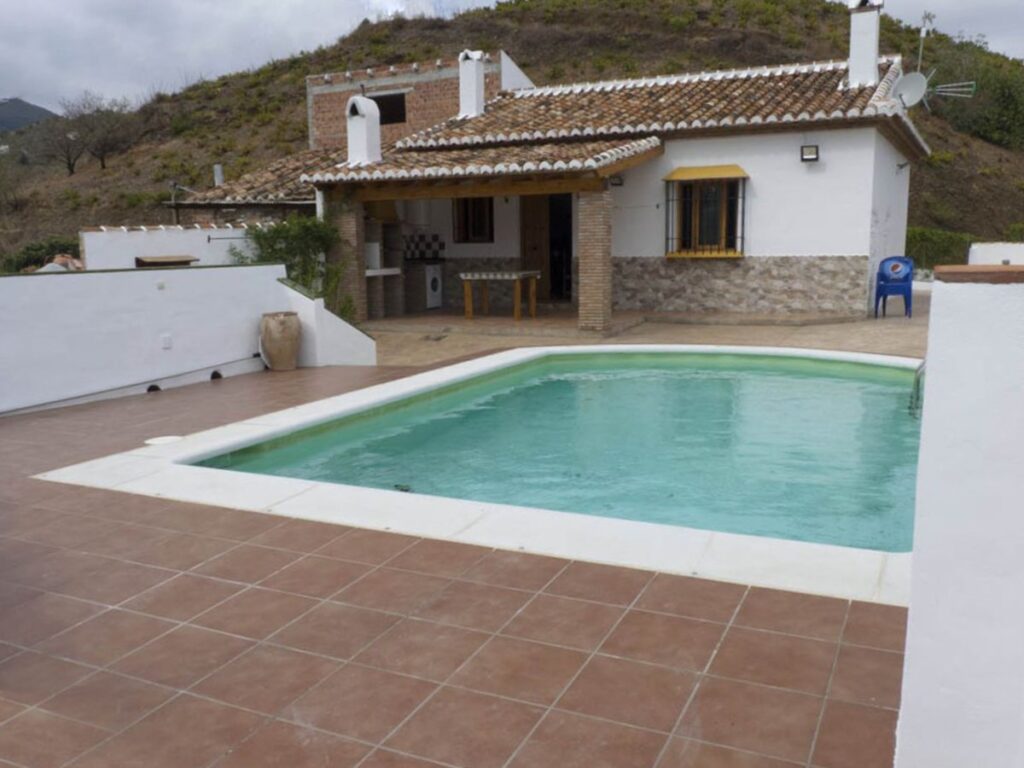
(616, 181)
(809, 153)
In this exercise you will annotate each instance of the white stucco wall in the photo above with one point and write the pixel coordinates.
(73, 335)
(506, 230)
(117, 248)
(890, 201)
(792, 208)
(963, 684)
(996, 253)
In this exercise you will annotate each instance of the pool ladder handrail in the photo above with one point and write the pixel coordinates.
(917, 392)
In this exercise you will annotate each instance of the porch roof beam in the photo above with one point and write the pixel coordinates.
(500, 187)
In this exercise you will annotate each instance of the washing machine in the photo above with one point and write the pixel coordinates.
(432, 273)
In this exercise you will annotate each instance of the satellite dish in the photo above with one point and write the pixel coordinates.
(910, 89)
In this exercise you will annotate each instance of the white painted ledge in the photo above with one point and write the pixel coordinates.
(166, 471)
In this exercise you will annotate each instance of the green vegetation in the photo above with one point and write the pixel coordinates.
(932, 247)
(37, 254)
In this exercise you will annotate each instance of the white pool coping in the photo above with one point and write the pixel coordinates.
(165, 471)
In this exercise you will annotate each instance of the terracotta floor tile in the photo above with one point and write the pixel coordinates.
(671, 640)
(180, 551)
(182, 657)
(423, 649)
(316, 576)
(15, 553)
(793, 613)
(237, 524)
(785, 661)
(685, 753)
(186, 733)
(474, 606)
(695, 598)
(396, 591)
(30, 677)
(383, 758)
(108, 701)
(119, 506)
(335, 630)
(55, 568)
(439, 558)
(23, 520)
(768, 721)
(466, 729)
(42, 616)
(41, 740)
(247, 563)
(868, 676)
(283, 745)
(601, 583)
(520, 669)
(565, 740)
(183, 597)
(266, 679)
(878, 626)
(629, 692)
(9, 709)
(563, 621)
(70, 531)
(299, 535)
(255, 612)
(365, 546)
(113, 581)
(360, 702)
(123, 541)
(853, 736)
(106, 637)
(519, 570)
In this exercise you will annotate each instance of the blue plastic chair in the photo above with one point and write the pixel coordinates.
(895, 278)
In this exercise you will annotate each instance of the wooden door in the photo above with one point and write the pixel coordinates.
(535, 239)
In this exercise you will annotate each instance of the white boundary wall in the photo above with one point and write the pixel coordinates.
(963, 683)
(118, 247)
(996, 253)
(77, 335)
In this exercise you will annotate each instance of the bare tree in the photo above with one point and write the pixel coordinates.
(13, 172)
(107, 126)
(60, 139)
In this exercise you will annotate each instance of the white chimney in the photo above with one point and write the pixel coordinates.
(471, 83)
(363, 128)
(865, 18)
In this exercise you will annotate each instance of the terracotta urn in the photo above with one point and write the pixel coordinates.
(279, 340)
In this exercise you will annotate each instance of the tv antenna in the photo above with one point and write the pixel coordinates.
(916, 87)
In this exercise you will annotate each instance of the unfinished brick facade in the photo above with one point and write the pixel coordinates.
(431, 96)
(595, 261)
(349, 216)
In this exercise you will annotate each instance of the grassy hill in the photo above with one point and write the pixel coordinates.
(974, 183)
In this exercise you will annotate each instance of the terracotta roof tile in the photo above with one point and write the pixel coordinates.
(277, 182)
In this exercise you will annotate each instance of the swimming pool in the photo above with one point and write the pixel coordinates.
(787, 447)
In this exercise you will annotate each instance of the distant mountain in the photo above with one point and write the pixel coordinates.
(16, 113)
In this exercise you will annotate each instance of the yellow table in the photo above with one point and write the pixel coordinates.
(517, 278)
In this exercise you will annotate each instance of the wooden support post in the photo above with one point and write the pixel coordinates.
(517, 298)
(467, 297)
(533, 297)
(485, 299)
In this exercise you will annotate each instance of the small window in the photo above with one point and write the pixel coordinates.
(392, 108)
(473, 220)
(704, 217)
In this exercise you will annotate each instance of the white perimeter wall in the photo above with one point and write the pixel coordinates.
(996, 253)
(792, 208)
(117, 248)
(963, 683)
(72, 335)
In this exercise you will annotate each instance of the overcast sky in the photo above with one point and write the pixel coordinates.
(53, 49)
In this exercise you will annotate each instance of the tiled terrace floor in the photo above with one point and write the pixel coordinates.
(140, 633)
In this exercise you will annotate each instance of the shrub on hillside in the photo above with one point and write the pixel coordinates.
(37, 254)
(931, 247)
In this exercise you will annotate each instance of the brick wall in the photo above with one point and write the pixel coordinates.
(431, 98)
(594, 282)
(348, 215)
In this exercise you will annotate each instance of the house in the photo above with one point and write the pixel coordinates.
(410, 97)
(768, 190)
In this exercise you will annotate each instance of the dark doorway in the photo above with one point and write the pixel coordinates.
(546, 232)
(560, 208)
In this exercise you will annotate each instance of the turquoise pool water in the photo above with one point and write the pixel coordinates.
(785, 447)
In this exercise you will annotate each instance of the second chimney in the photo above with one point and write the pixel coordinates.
(865, 17)
(471, 83)
(362, 116)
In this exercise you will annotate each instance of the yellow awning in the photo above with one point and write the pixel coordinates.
(698, 172)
